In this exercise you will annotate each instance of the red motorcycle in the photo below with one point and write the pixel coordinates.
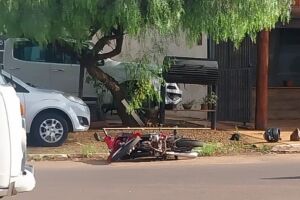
(157, 144)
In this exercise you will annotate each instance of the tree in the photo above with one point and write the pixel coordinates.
(71, 23)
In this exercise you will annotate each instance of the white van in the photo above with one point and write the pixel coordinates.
(15, 175)
(50, 68)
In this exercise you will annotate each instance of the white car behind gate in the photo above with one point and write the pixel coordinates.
(50, 114)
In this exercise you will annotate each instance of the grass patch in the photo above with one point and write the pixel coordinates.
(264, 148)
(232, 148)
(209, 149)
(88, 150)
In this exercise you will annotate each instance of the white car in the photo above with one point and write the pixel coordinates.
(15, 175)
(50, 115)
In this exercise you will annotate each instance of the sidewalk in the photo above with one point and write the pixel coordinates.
(282, 146)
(82, 145)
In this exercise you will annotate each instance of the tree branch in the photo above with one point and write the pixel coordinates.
(103, 41)
(116, 34)
(116, 51)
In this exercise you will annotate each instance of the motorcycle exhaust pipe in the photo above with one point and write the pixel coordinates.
(188, 155)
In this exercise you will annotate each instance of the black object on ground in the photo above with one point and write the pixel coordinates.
(272, 135)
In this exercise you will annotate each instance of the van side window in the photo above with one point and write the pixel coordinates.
(28, 51)
(31, 51)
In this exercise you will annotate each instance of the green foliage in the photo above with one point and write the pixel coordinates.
(47, 20)
(232, 19)
(76, 21)
(99, 88)
(209, 149)
(211, 98)
(148, 76)
(96, 84)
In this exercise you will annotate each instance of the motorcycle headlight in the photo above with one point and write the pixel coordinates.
(74, 99)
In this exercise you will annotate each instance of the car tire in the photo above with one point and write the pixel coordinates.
(49, 130)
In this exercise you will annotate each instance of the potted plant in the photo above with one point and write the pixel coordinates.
(188, 105)
(204, 104)
(209, 101)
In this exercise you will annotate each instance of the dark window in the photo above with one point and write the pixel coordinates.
(31, 51)
(284, 57)
(1, 57)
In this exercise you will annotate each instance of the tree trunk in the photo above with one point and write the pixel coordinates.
(113, 86)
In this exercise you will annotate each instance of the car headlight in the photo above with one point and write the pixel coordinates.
(74, 99)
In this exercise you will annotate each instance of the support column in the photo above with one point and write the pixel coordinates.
(214, 114)
(261, 110)
(81, 77)
(162, 111)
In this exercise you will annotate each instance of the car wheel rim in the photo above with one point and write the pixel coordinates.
(51, 130)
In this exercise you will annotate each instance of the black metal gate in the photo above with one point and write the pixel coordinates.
(236, 68)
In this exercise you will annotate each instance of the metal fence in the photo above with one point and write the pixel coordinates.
(234, 91)
(236, 66)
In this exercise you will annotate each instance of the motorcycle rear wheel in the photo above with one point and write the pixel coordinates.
(186, 142)
(125, 149)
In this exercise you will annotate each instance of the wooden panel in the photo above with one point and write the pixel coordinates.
(283, 103)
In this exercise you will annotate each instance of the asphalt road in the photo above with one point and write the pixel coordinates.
(236, 178)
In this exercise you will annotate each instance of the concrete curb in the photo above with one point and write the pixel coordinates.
(286, 148)
(63, 157)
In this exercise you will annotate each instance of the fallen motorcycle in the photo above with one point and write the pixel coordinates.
(157, 144)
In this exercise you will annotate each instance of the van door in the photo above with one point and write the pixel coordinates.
(64, 74)
(65, 78)
(27, 61)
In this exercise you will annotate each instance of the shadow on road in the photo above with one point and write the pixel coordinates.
(137, 160)
(283, 178)
(94, 162)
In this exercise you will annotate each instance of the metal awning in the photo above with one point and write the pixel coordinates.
(191, 70)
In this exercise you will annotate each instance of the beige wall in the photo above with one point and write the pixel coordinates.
(180, 47)
(190, 92)
(132, 48)
(183, 49)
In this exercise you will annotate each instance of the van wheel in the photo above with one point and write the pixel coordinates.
(49, 130)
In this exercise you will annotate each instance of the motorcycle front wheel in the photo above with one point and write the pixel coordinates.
(125, 149)
(186, 142)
